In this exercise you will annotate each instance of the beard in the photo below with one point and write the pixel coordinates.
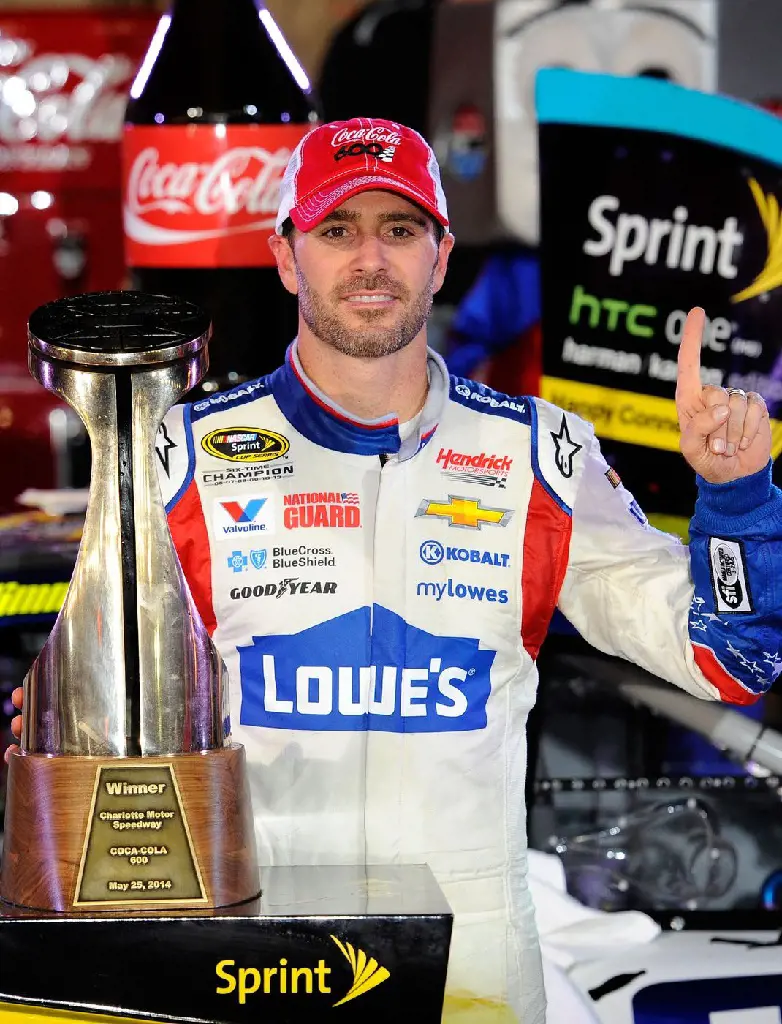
(375, 339)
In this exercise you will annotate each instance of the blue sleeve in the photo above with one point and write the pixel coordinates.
(735, 622)
(502, 304)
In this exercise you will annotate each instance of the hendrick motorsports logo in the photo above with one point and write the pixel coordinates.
(286, 979)
(245, 444)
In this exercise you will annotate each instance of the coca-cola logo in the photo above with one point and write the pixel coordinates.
(241, 184)
(66, 97)
(374, 134)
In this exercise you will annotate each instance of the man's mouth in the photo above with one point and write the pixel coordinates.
(370, 298)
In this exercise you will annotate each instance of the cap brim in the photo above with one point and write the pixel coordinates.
(317, 206)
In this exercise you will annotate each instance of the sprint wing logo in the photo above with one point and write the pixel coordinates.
(367, 972)
(770, 276)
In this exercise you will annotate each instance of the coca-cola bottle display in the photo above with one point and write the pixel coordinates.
(217, 107)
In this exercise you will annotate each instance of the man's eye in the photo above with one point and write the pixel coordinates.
(335, 232)
(398, 231)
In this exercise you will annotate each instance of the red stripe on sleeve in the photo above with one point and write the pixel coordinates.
(546, 546)
(191, 540)
(731, 691)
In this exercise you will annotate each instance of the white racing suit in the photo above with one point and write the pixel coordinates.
(380, 603)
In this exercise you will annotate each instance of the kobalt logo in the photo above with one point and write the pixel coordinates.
(681, 245)
(486, 398)
(433, 552)
(289, 588)
(419, 682)
(462, 591)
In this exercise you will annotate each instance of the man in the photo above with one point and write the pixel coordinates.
(378, 548)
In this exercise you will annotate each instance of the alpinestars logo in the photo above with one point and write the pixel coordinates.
(163, 446)
(565, 447)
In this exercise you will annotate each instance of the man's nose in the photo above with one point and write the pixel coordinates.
(369, 255)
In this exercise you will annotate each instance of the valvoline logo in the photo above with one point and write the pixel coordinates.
(363, 671)
(245, 514)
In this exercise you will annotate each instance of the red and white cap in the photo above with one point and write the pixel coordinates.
(338, 160)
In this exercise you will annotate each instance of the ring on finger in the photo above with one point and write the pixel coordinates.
(736, 391)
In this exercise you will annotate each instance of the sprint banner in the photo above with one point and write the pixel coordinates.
(654, 199)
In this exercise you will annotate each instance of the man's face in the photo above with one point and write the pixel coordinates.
(366, 275)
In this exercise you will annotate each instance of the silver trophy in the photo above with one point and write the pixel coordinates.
(125, 722)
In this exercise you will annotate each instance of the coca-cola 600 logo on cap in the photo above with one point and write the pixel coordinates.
(203, 195)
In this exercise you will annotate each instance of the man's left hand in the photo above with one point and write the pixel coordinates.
(725, 432)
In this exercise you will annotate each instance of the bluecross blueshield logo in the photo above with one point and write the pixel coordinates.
(365, 672)
(432, 552)
(237, 561)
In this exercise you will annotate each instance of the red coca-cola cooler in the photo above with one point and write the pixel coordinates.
(64, 82)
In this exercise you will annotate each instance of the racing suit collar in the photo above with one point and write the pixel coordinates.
(322, 421)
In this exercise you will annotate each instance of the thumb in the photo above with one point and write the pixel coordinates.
(701, 427)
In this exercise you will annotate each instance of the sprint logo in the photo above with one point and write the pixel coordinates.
(284, 979)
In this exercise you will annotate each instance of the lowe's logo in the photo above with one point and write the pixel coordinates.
(365, 670)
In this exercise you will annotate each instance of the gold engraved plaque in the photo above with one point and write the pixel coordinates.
(137, 848)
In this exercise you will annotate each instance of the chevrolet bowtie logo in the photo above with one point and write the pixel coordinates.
(466, 513)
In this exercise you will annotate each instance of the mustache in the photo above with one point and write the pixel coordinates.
(371, 283)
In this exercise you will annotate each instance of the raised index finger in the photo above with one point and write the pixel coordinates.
(688, 380)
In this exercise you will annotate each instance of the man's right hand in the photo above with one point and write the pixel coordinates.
(16, 721)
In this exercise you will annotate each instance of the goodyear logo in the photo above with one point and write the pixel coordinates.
(467, 513)
(285, 979)
(245, 444)
(31, 598)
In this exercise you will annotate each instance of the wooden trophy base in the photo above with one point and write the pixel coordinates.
(128, 834)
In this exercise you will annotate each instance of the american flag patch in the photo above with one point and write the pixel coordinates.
(349, 498)
(613, 478)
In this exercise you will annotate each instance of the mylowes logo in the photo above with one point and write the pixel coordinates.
(365, 670)
(462, 590)
(433, 552)
(243, 515)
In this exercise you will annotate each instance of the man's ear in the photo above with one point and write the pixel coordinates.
(282, 250)
(443, 252)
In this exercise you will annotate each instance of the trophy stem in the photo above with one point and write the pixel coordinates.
(124, 400)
